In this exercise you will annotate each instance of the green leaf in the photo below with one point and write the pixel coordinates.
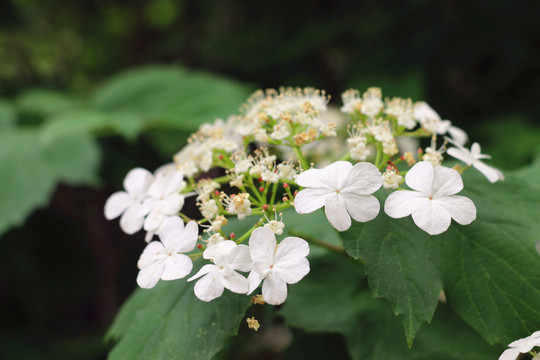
(169, 322)
(371, 332)
(43, 102)
(31, 168)
(7, 114)
(171, 96)
(490, 269)
(399, 268)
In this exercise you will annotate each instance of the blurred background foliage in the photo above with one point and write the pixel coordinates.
(82, 101)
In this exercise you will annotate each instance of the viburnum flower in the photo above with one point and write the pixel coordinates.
(129, 203)
(473, 157)
(164, 198)
(521, 346)
(165, 259)
(278, 265)
(227, 257)
(343, 189)
(432, 203)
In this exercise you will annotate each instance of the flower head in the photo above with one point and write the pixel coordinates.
(165, 259)
(432, 202)
(343, 189)
(278, 265)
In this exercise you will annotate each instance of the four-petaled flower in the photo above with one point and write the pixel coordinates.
(165, 259)
(227, 257)
(343, 189)
(432, 203)
(473, 157)
(129, 203)
(164, 198)
(521, 346)
(278, 265)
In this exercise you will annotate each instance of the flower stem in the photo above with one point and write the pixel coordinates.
(301, 158)
(334, 248)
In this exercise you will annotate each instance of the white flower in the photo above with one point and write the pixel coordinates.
(343, 189)
(209, 209)
(433, 203)
(278, 265)
(521, 346)
(275, 226)
(164, 198)
(227, 257)
(391, 180)
(129, 203)
(429, 119)
(164, 260)
(472, 157)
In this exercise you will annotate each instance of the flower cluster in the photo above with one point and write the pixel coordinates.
(285, 151)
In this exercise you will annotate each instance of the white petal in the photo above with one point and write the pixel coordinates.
(240, 259)
(461, 154)
(171, 230)
(328, 177)
(509, 354)
(172, 204)
(254, 279)
(262, 245)
(149, 275)
(461, 208)
(236, 283)
(446, 181)
(274, 290)
(362, 208)
(189, 237)
(131, 221)
(423, 111)
(221, 249)
(177, 266)
(492, 174)
(203, 271)
(402, 203)
(154, 220)
(152, 252)
(137, 181)
(116, 204)
(292, 271)
(420, 177)
(363, 179)
(173, 181)
(209, 287)
(309, 200)
(432, 218)
(291, 248)
(458, 135)
(336, 212)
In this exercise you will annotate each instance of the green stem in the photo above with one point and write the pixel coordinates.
(242, 238)
(335, 248)
(300, 157)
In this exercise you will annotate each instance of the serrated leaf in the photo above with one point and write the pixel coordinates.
(490, 269)
(371, 332)
(31, 168)
(168, 322)
(398, 267)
